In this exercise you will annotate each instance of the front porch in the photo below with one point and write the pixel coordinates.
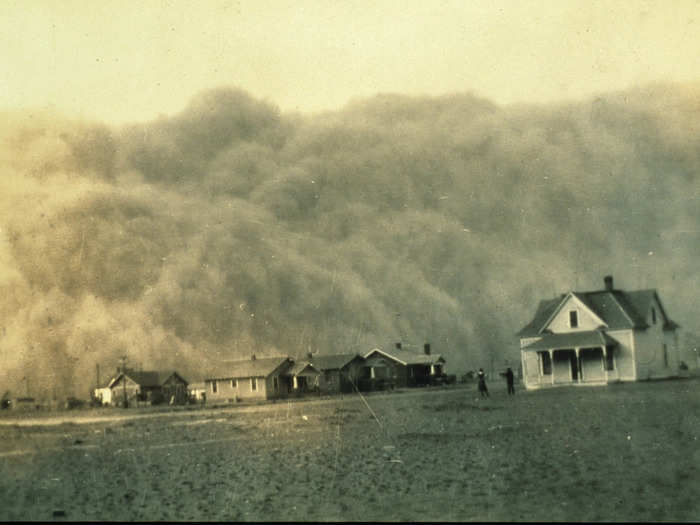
(583, 358)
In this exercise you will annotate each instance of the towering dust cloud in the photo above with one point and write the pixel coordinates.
(232, 229)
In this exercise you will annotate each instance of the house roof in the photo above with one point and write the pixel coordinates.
(616, 308)
(302, 368)
(260, 367)
(583, 339)
(407, 357)
(332, 361)
(147, 378)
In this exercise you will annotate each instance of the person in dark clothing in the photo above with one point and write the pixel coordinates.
(509, 382)
(482, 383)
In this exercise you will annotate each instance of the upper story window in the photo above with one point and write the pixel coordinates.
(653, 315)
(573, 319)
(253, 383)
(234, 383)
(214, 387)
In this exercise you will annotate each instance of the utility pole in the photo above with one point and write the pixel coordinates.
(123, 362)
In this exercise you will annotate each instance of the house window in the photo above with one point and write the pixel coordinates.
(253, 383)
(213, 387)
(546, 363)
(653, 315)
(665, 350)
(573, 319)
(275, 384)
(234, 383)
(609, 360)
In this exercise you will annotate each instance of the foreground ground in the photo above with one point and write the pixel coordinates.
(623, 452)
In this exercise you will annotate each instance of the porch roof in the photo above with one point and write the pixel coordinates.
(583, 339)
(303, 369)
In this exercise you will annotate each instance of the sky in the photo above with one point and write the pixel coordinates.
(125, 61)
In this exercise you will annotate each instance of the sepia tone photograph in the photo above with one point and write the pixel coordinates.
(349, 261)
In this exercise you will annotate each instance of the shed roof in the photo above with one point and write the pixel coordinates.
(260, 367)
(583, 339)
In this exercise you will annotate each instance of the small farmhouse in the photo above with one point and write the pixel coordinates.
(147, 387)
(597, 337)
(103, 394)
(304, 377)
(338, 372)
(197, 391)
(404, 367)
(254, 378)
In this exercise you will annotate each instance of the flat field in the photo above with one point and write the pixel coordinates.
(617, 453)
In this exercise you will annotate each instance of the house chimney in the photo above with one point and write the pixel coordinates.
(252, 357)
(398, 346)
(426, 348)
(309, 356)
(608, 283)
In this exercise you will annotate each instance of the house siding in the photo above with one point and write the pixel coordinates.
(586, 320)
(531, 369)
(132, 391)
(624, 354)
(649, 347)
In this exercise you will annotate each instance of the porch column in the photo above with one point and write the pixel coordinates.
(578, 364)
(296, 384)
(605, 360)
(432, 370)
(551, 363)
(371, 372)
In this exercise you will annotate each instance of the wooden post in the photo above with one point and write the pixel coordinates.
(578, 364)
(551, 363)
(605, 362)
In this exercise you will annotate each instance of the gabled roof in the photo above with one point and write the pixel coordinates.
(583, 339)
(148, 378)
(406, 357)
(302, 368)
(260, 367)
(618, 310)
(544, 311)
(332, 361)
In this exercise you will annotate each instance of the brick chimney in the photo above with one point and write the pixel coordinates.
(252, 357)
(398, 346)
(426, 348)
(608, 283)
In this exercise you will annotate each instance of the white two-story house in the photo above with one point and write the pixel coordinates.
(599, 337)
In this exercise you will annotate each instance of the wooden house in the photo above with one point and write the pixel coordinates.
(338, 372)
(133, 387)
(596, 337)
(197, 391)
(304, 377)
(401, 367)
(250, 379)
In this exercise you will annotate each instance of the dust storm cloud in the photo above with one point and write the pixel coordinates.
(232, 229)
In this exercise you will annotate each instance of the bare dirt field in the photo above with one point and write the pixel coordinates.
(617, 453)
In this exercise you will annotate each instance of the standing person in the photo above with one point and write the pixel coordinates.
(482, 383)
(509, 382)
